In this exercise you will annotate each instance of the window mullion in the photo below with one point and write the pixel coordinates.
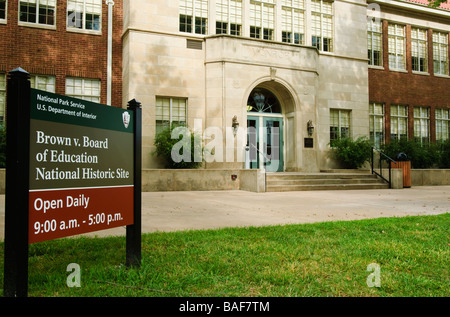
(170, 111)
(372, 55)
(37, 12)
(192, 22)
(321, 45)
(395, 47)
(229, 17)
(292, 40)
(261, 23)
(84, 17)
(82, 87)
(339, 124)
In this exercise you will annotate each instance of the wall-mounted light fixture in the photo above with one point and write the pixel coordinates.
(310, 128)
(235, 125)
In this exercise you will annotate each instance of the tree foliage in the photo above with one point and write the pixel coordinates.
(436, 3)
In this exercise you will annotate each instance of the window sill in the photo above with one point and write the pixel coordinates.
(441, 75)
(415, 72)
(326, 53)
(81, 31)
(376, 67)
(196, 35)
(398, 70)
(3, 21)
(38, 26)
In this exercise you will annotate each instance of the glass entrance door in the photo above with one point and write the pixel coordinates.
(273, 144)
(268, 132)
(252, 159)
(264, 131)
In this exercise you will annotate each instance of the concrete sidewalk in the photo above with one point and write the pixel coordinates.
(171, 211)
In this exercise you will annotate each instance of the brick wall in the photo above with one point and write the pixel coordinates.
(407, 88)
(62, 53)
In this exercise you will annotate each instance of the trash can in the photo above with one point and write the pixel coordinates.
(403, 163)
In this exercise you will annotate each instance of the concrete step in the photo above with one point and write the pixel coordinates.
(300, 176)
(325, 180)
(320, 181)
(340, 171)
(284, 188)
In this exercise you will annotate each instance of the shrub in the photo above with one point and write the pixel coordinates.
(177, 145)
(444, 148)
(352, 153)
(425, 155)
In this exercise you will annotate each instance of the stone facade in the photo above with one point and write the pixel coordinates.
(216, 74)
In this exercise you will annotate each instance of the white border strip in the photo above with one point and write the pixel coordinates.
(76, 188)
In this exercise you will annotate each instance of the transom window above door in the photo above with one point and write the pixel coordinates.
(263, 101)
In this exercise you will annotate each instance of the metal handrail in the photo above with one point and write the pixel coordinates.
(387, 158)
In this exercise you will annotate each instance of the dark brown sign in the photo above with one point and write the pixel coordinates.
(81, 167)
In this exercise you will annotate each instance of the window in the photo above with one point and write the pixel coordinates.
(293, 21)
(263, 101)
(84, 14)
(262, 19)
(2, 9)
(46, 83)
(37, 11)
(170, 111)
(322, 25)
(229, 17)
(422, 124)
(440, 53)
(419, 49)
(396, 45)
(376, 124)
(374, 41)
(339, 124)
(194, 16)
(399, 122)
(86, 89)
(2, 96)
(442, 124)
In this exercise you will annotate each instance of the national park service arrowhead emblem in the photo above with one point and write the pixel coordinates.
(126, 119)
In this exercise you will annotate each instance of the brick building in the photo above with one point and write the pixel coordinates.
(213, 60)
(409, 95)
(64, 47)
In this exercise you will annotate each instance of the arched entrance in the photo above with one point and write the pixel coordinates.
(265, 123)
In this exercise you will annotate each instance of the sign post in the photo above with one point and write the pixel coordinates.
(77, 168)
(17, 184)
(133, 243)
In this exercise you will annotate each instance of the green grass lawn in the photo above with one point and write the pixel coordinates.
(308, 260)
